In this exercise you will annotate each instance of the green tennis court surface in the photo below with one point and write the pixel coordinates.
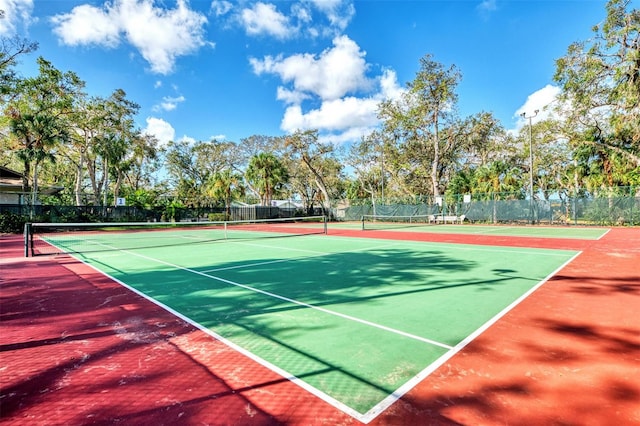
(358, 322)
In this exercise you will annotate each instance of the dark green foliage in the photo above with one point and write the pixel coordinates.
(12, 223)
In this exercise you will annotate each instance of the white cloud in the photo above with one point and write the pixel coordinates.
(338, 12)
(301, 13)
(389, 87)
(349, 135)
(345, 119)
(187, 139)
(263, 18)
(333, 115)
(162, 130)
(16, 12)
(221, 7)
(87, 25)
(169, 103)
(160, 35)
(335, 80)
(309, 18)
(291, 96)
(336, 72)
(541, 101)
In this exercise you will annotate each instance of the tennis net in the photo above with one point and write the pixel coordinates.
(57, 238)
(390, 222)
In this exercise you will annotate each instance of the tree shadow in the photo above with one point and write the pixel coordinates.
(599, 285)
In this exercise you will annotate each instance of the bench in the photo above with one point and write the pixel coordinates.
(446, 219)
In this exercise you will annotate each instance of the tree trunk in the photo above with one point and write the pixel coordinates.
(95, 184)
(25, 178)
(105, 184)
(116, 188)
(227, 204)
(34, 189)
(373, 201)
(326, 206)
(436, 160)
(78, 184)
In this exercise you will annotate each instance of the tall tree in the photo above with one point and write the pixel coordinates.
(241, 153)
(266, 174)
(366, 157)
(600, 80)
(496, 178)
(316, 157)
(551, 154)
(86, 122)
(499, 177)
(116, 143)
(11, 48)
(420, 116)
(143, 162)
(39, 116)
(487, 140)
(191, 166)
(225, 185)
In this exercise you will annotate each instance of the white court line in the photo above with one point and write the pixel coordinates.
(540, 235)
(470, 247)
(603, 234)
(537, 252)
(387, 243)
(492, 230)
(275, 247)
(467, 246)
(249, 265)
(318, 254)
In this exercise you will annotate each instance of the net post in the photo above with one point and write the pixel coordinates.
(324, 220)
(362, 219)
(27, 239)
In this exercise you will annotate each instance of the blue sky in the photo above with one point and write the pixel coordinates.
(229, 70)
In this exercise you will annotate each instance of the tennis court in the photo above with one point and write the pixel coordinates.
(357, 319)
(357, 322)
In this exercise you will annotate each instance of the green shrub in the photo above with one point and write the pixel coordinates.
(217, 217)
(11, 223)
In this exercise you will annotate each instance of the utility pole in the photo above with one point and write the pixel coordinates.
(382, 168)
(524, 115)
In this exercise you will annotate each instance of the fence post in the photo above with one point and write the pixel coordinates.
(633, 203)
(27, 236)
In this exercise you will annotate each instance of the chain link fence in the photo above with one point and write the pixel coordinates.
(611, 207)
(608, 208)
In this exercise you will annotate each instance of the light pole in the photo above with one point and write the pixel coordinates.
(382, 168)
(524, 115)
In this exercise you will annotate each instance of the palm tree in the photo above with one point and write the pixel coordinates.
(265, 175)
(225, 185)
(39, 134)
(497, 177)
